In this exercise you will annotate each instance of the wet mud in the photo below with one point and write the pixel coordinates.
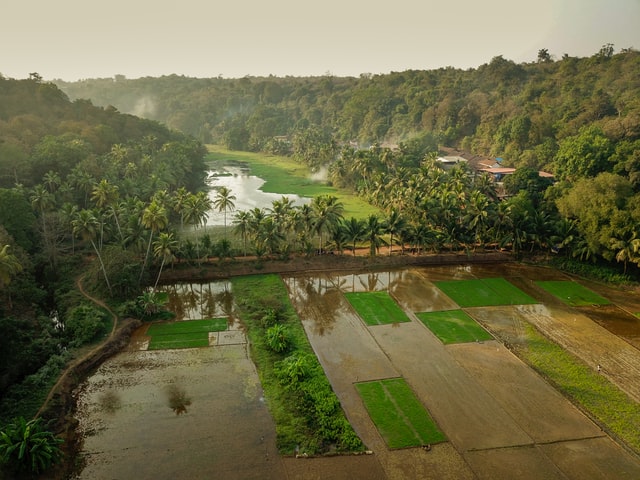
(199, 413)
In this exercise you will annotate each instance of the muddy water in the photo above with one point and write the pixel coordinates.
(199, 413)
(194, 413)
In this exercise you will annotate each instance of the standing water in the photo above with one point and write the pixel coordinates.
(246, 188)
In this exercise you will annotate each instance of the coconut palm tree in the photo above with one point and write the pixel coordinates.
(374, 229)
(164, 248)
(9, 267)
(86, 225)
(180, 198)
(105, 195)
(395, 223)
(626, 245)
(242, 225)
(223, 202)
(328, 212)
(304, 222)
(355, 230)
(155, 218)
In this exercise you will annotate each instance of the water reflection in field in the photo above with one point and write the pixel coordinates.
(193, 301)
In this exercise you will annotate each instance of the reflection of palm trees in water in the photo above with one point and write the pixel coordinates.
(319, 299)
(371, 281)
(178, 399)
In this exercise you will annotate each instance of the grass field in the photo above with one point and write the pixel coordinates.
(572, 293)
(397, 413)
(376, 308)
(453, 326)
(185, 334)
(484, 292)
(285, 176)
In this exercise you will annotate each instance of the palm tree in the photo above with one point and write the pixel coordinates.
(42, 200)
(625, 246)
(85, 225)
(374, 230)
(282, 213)
(68, 213)
(269, 237)
(180, 198)
(164, 248)
(105, 194)
(198, 207)
(242, 225)
(154, 218)
(52, 181)
(223, 202)
(304, 221)
(395, 223)
(328, 212)
(355, 230)
(9, 267)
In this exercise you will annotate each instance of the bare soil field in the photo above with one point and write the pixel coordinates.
(501, 419)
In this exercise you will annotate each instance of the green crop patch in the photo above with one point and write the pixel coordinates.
(376, 308)
(572, 293)
(398, 414)
(484, 292)
(454, 326)
(185, 334)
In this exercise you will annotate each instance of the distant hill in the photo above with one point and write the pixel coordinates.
(520, 112)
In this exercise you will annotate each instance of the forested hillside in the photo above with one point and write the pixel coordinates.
(83, 190)
(578, 118)
(528, 114)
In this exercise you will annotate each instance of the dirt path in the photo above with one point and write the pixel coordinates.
(84, 357)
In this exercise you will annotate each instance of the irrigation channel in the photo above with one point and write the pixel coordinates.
(501, 420)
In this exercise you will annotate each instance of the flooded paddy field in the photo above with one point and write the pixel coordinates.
(501, 419)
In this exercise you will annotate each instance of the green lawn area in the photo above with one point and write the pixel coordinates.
(376, 308)
(398, 414)
(484, 292)
(185, 334)
(453, 326)
(572, 293)
(283, 175)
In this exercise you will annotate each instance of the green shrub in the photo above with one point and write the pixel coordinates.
(83, 324)
(292, 370)
(277, 338)
(27, 446)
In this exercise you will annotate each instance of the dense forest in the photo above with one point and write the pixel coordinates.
(82, 192)
(86, 189)
(578, 118)
(528, 114)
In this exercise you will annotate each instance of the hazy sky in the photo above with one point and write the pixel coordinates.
(76, 39)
